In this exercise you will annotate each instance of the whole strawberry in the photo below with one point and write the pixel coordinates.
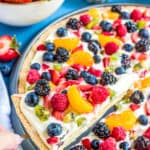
(8, 48)
(59, 102)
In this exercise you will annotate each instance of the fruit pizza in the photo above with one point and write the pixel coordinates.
(78, 69)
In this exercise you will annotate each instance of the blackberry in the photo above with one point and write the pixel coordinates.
(101, 130)
(72, 75)
(62, 55)
(94, 46)
(137, 97)
(131, 26)
(78, 147)
(74, 24)
(116, 8)
(141, 143)
(142, 45)
(125, 61)
(42, 87)
(108, 78)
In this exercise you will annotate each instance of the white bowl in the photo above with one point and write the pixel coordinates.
(29, 13)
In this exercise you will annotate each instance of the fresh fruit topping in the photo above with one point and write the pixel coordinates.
(147, 107)
(95, 72)
(48, 56)
(142, 45)
(50, 46)
(54, 129)
(86, 36)
(108, 144)
(106, 26)
(52, 140)
(41, 112)
(33, 76)
(106, 62)
(99, 94)
(131, 26)
(78, 67)
(77, 102)
(72, 75)
(111, 48)
(94, 12)
(120, 70)
(116, 8)
(63, 43)
(80, 121)
(85, 19)
(141, 24)
(8, 48)
(70, 116)
(58, 115)
(94, 46)
(61, 32)
(86, 143)
(141, 143)
(42, 87)
(101, 130)
(54, 76)
(134, 37)
(46, 76)
(111, 15)
(125, 61)
(103, 39)
(41, 47)
(119, 133)
(144, 33)
(36, 66)
(91, 79)
(77, 58)
(97, 59)
(59, 102)
(121, 30)
(93, 23)
(5, 69)
(45, 66)
(95, 144)
(147, 133)
(136, 15)
(143, 120)
(32, 99)
(124, 145)
(78, 147)
(73, 23)
(125, 15)
(137, 97)
(128, 47)
(134, 107)
(108, 78)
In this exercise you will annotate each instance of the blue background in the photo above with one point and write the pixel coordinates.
(26, 34)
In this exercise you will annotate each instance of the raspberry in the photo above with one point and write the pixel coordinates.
(136, 15)
(41, 47)
(134, 107)
(59, 102)
(52, 140)
(121, 30)
(33, 76)
(108, 144)
(118, 133)
(147, 133)
(95, 72)
(99, 94)
(86, 143)
(85, 19)
(111, 48)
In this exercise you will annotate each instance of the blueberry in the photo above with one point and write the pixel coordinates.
(103, 23)
(48, 56)
(5, 69)
(50, 46)
(124, 145)
(86, 36)
(91, 79)
(46, 76)
(96, 58)
(32, 99)
(64, 92)
(119, 70)
(94, 46)
(95, 144)
(144, 33)
(36, 66)
(54, 129)
(128, 47)
(84, 74)
(106, 26)
(125, 15)
(143, 120)
(61, 32)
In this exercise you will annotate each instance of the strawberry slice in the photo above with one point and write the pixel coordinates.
(134, 37)
(52, 140)
(95, 72)
(147, 133)
(106, 62)
(47, 103)
(147, 107)
(79, 48)
(58, 115)
(55, 76)
(84, 88)
(146, 15)
(8, 48)
(45, 66)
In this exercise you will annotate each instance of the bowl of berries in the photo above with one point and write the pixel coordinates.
(26, 12)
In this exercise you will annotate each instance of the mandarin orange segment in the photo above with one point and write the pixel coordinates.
(110, 15)
(68, 43)
(77, 102)
(103, 39)
(94, 12)
(52, 86)
(126, 119)
(81, 57)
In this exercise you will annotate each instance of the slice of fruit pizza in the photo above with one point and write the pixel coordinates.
(127, 127)
(78, 69)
